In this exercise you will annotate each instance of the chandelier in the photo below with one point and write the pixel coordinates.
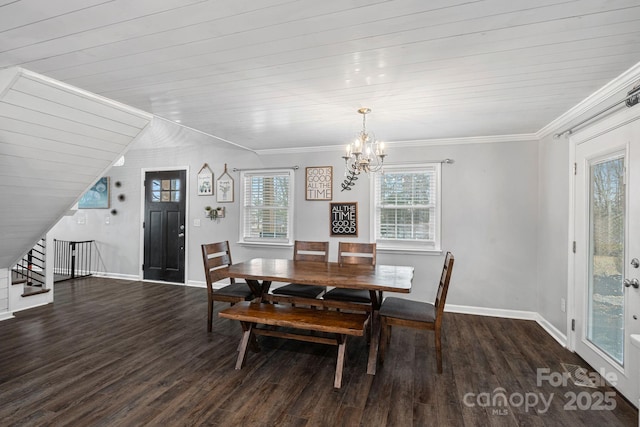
(365, 154)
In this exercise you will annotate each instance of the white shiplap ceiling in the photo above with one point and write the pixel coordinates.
(281, 74)
(55, 140)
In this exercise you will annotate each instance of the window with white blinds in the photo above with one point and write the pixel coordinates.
(406, 214)
(267, 206)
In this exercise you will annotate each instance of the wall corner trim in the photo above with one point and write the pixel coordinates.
(552, 330)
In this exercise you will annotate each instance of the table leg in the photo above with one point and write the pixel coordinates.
(373, 343)
(259, 289)
(374, 327)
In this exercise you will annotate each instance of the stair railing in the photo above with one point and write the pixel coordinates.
(31, 266)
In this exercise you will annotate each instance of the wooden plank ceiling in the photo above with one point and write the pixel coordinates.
(55, 141)
(283, 73)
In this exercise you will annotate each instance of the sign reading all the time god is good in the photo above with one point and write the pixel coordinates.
(344, 219)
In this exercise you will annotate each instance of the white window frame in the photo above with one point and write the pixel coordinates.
(393, 245)
(267, 241)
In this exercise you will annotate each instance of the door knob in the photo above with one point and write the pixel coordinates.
(633, 282)
(182, 235)
(635, 263)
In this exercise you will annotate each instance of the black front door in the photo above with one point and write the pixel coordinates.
(164, 226)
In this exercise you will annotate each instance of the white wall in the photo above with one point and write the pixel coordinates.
(489, 220)
(553, 230)
(489, 211)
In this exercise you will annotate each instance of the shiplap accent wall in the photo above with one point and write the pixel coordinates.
(55, 141)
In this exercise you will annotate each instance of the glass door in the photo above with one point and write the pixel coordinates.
(605, 291)
(607, 233)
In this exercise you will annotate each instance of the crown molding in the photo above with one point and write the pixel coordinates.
(300, 150)
(620, 83)
(412, 143)
(489, 139)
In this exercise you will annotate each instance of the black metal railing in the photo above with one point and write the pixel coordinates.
(32, 266)
(72, 259)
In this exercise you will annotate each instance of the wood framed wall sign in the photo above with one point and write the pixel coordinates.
(343, 219)
(224, 187)
(205, 181)
(319, 183)
(97, 197)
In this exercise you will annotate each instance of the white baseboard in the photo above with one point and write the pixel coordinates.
(117, 276)
(6, 316)
(511, 314)
(40, 304)
(492, 312)
(199, 284)
(552, 330)
(216, 285)
(192, 283)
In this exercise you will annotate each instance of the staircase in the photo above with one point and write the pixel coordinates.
(30, 281)
(30, 271)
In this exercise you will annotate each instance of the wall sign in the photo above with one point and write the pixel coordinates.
(319, 183)
(344, 219)
(225, 187)
(205, 181)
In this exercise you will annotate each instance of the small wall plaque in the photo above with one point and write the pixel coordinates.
(225, 187)
(205, 181)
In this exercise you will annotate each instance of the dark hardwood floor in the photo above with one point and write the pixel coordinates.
(112, 352)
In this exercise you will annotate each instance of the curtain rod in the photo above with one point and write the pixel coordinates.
(262, 169)
(631, 99)
(445, 161)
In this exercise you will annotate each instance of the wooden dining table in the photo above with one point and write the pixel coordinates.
(259, 273)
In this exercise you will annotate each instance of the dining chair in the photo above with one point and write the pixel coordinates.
(417, 315)
(306, 251)
(353, 253)
(215, 257)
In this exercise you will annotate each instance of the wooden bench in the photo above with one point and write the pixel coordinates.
(340, 324)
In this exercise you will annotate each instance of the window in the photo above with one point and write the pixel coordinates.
(267, 207)
(406, 212)
(165, 190)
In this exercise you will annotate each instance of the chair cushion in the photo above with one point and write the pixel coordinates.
(299, 290)
(238, 289)
(351, 295)
(408, 310)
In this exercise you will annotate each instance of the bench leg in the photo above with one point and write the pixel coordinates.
(244, 344)
(342, 345)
